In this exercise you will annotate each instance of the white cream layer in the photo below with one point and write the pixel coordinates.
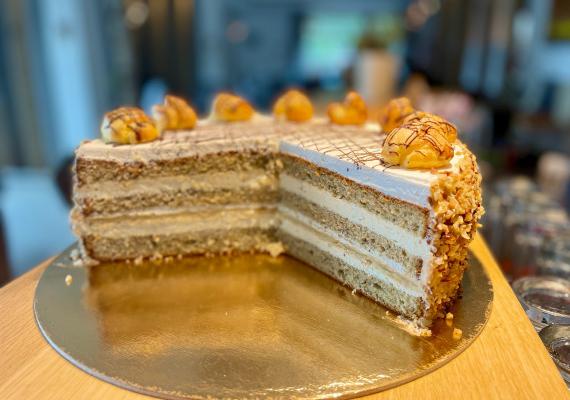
(228, 180)
(407, 188)
(350, 256)
(202, 220)
(287, 213)
(357, 214)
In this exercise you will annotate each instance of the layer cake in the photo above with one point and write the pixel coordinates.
(321, 192)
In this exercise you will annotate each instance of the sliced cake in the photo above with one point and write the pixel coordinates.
(388, 214)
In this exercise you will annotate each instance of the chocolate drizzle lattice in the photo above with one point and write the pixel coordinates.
(350, 144)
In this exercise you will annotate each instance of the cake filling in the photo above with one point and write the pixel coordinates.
(197, 220)
(414, 244)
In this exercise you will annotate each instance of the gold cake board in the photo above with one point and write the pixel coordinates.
(248, 326)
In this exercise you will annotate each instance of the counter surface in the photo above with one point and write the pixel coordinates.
(508, 360)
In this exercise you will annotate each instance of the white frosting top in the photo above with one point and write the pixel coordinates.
(351, 151)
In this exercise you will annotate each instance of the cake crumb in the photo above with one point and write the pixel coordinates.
(156, 257)
(138, 260)
(68, 279)
(449, 316)
(179, 256)
(354, 292)
(412, 327)
(274, 249)
(74, 254)
(457, 333)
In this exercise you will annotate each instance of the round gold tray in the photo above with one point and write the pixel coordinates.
(247, 327)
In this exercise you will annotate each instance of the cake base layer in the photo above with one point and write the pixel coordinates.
(407, 305)
(222, 241)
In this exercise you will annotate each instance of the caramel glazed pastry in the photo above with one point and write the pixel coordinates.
(387, 213)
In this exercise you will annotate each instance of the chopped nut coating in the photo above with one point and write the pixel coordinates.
(457, 333)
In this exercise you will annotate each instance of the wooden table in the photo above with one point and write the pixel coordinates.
(507, 361)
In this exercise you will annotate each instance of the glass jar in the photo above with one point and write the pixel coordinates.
(554, 258)
(545, 299)
(556, 339)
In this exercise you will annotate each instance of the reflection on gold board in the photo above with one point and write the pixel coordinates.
(244, 326)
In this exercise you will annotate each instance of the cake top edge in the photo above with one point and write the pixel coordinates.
(415, 139)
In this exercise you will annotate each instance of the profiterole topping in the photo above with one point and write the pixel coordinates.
(293, 106)
(231, 108)
(352, 111)
(128, 125)
(174, 114)
(418, 145)
(394, 113)
(424, 118)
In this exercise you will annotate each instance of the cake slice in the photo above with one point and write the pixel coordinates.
(356, 203)
(398, 236)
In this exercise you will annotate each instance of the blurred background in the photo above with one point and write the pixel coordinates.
(499, 69)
